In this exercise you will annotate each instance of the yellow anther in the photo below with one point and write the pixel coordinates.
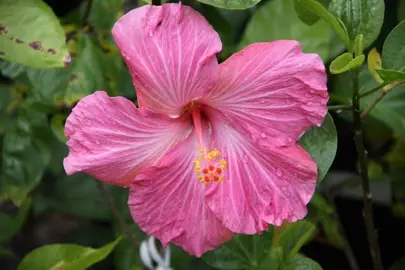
(208, 168)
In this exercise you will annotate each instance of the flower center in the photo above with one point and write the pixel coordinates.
(209, 167)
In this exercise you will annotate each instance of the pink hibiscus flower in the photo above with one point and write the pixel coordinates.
(212, 149)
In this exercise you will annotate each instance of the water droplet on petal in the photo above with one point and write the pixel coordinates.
(279, 172)
(263, 135)
(312, 91)
(97, 142)
(294, 219)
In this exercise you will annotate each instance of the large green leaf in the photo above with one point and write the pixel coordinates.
(11, 69)
(390, 110)
(389, 75)
(78, 195)
(243, 251)
(360, 17)
(25, 154)
(321, 144)
(231, 4)
(393, 55)
(10, 225)
(65, 256)
(300, 262)
(294, 236)
(68, 85)
(266, 23)
(31, 34)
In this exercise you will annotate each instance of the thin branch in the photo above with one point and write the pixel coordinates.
(375, 89)
(367, 196)
(339, 107)
(385, 90)
(124, 226)
(87, 12)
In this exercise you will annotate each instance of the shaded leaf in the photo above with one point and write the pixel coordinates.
(104, 13)
(11, 69)
(265, 26)
(65, 256)
(321, 144)
(243, 251)
(10, 225)
(57, 127)
(294, 236)
(231, 4)
(31, 34)
(300, 262)
(25, 154)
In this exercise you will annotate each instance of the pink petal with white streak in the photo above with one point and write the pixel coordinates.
(171, 53)
(168, 202)
(272, 90)
(112, 140)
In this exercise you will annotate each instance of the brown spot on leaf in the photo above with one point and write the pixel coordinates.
(73, 77)
(3, 29)
(19, 41)
(11, 38)
(67, 60)
(51, 51)
(2, 53)
(36, 45)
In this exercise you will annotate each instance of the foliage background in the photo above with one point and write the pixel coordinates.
(40, 205)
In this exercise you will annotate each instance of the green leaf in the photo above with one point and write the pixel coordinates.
(308, 10)
(398, 265)
(360, 17)
(25, 154)
(321, 144)
(294, 236)
(321, 204)
(57, 126)
(388, 75)
(300, 262)
(65, 256)
(243, 251)
(78, 195)
(11, 69)
(68, 85)
(401, 11)
(104, 13)
(9, 225)
(273, 261)
(231, 4)
(359, 45)
(345, 62)
(31, 34)
(393, 54)
(390, 110)
(265, 26)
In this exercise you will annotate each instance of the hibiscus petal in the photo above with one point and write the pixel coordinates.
(112, 140)
(262, 184)
(171, 53)
(272, 90)
(168, 202)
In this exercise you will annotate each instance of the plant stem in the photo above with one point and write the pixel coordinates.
(339, 107)
(87, 12)
(124, 226)
(362, 153)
